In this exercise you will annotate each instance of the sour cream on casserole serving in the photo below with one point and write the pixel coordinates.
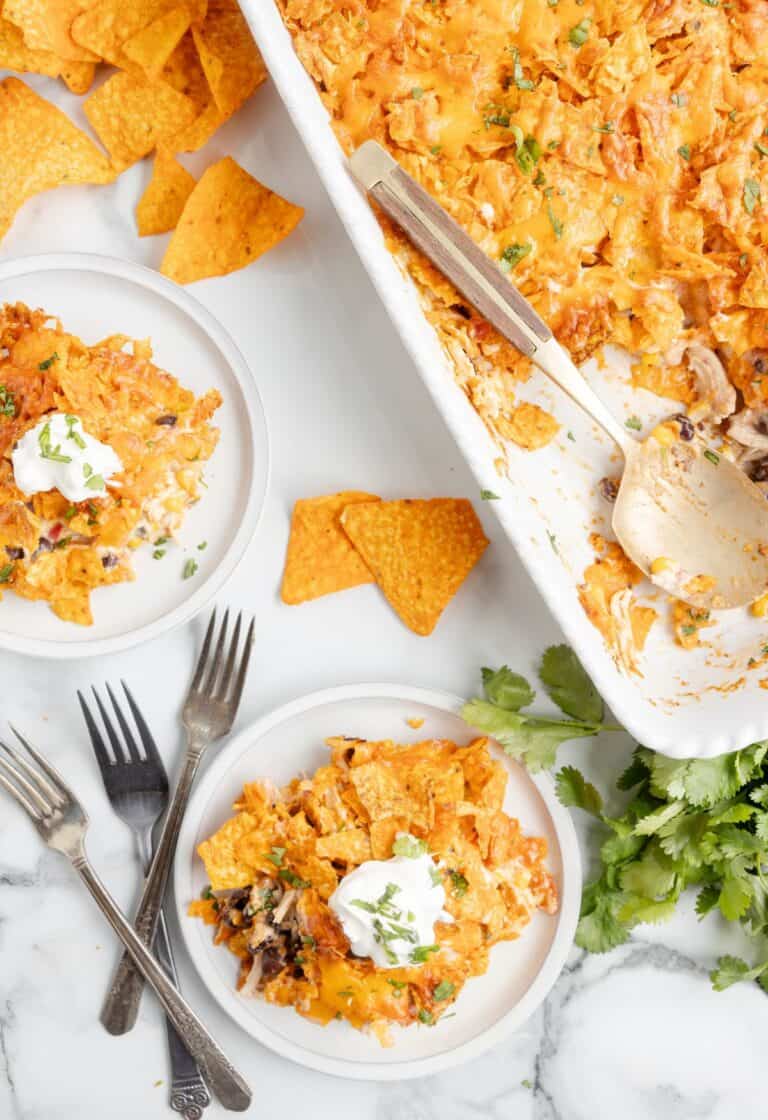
(388, 907)
(58, 454)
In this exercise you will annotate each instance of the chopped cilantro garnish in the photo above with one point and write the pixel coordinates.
(70, 513)
(398, 985)
(761, 148)
(48, 452)
(417, 93)
(436, 149)
(528, 154)
(518, 76)
(552, 538)
(496, 114)
(684, 151)
(579, 34)
(6, 572)
(688, 629)
(437, 881)
(634, 423)
(555, 222)
(158, 554)
(426, 1017)
(202, 546)
(617, 199)
(489, 496)
(459, 884)
(71, 421)
(712, 456)
(444, 990)
(421, 953)
(189, 569)
(571, 436)
(409, 846)
(513, 254)
(679, 99)
(751, 195)
(294, 879)
(608, 127)
(275, 855)
(308, 940)
(48, 362)
(7, 402)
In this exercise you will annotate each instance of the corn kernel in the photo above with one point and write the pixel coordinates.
(661, 564)
(174, 505)
(760, 607)
(666, 434)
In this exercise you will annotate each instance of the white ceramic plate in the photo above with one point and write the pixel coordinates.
(290, 741)
(686, 703)
(97, 296)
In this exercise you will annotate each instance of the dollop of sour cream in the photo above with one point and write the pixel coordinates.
(388, 908)
(58, 454)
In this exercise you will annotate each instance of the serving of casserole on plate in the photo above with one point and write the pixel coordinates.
(125, 413)
(611, 161)
(409, 881)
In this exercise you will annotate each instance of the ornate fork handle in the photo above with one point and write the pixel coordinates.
(226, 1082)
(121, 1005)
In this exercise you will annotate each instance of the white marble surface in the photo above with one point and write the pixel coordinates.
(637, 1035)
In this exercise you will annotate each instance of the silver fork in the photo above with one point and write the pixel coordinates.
(137, 788)
(62, 823)
(208, 714)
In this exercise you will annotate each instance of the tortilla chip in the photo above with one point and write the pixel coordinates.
(230, 58)
(78, 75)
(320, 557)
(420, 552)
(223, 864)
(46, 24)
(230, 219)
(163, 201)
(196, 135)
(184, 72)
(41, 148)
(350, 845)
(151, 47)
(132, 115)
(15, 54)
(106, 26)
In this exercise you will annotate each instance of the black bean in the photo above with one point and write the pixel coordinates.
(14, 553)
(462, 310)
(686, 427)
(758, 471)
(109, 561)
(609, 488)
(168, 421)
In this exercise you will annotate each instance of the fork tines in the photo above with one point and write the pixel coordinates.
(125, 750)
(40, 794)
(216, 677)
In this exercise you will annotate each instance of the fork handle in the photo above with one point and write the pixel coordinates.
(121, 1006)
(230, 1088)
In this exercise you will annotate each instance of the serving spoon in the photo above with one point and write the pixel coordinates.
(689, 518)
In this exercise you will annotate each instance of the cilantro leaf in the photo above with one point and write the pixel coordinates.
(730, 970)
(532, 739)
(599, 929)
(507, 689)
(409, 846)
(638, 771)
(567, 683)
(575, 792)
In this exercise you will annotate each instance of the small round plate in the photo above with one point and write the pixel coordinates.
(290, 741)
(96, 296)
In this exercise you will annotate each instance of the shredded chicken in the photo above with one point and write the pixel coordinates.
(624, 638)
(712, 384)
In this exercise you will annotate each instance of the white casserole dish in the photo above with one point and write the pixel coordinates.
(685, 703)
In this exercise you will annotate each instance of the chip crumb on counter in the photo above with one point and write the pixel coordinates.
(415, 722)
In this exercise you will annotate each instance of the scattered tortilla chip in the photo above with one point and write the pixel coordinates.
(224, 865)
(15, 54)
(78, 75)
(184, 72)
(108, 24)
(415, 722)
(151, 47)
(230, 219)
(46, 24)
(196, 135)
(163, 201)
(420, 552)
(41, 148)
(320, 557)
(230, 58)
(132, 115)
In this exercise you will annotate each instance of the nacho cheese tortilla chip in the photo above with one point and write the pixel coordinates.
(108, 24)
(321, 558)
(46, 26)
(132, 115)
(41, 148)
(420, 552)
(151, 47)
(230, 219)
(230, 58)
(163, 201)
(17, 54)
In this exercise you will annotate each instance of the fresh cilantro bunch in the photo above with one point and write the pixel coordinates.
(535, 739)
(697, 823)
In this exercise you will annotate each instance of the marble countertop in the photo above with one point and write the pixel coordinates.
(635, 1035)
